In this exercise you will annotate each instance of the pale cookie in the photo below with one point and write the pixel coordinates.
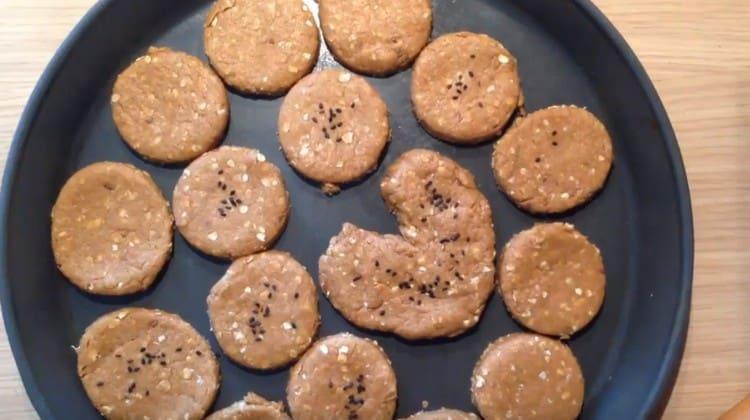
(264, 311)
(333, 127)
(465, 88)
(377, 37)
(443, 414)
(144, 363)
(553, 160)
(169, 106)
(526, 376)
(434, 280)
(261, 47)
(342, 377)
(252, 407)
(231, 202)
(552, 279)
(111, 229)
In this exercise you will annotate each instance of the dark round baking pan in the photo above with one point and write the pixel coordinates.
(568, 54)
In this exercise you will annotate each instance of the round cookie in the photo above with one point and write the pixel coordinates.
(261, 47)
(434, 280)
(552, 279)
(465, 87)
(443, 414)
(264, 311)
(230, 202)
(342, 377)
(553, 160)
(145, 363)
(527, 376)
(252, 407)
(169, 106)
(111, 229)
(333, 127)
(376, 37)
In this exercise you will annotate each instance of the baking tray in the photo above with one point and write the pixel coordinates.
(568, 53)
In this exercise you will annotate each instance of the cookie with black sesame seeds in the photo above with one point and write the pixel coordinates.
(111, 229)
(333, 127)
(264, 311)
(342, 377)
(465, 88)
(146, 363)
(527, 376)
(443, 414)
(434, 280)
(554, 159)
(376, 37)
(252, 407)
(552, 279)
(169, 106)
(231, 202)
(261, 47)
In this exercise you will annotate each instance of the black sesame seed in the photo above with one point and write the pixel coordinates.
(315, 120)
(538, 159)
(382, 313)
(221, 171)
(179, 349)
(357, 278)
(148, 392)
(481, 105)
(143, 349)
(100, 384)
(163, 363)
(455, 98)
(198, 353)
(131, 388)
(554, 143)
(296, 295)
(377, 263)
(472, 56)
(471, 74)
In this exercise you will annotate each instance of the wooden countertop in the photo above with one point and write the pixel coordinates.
(698, 54)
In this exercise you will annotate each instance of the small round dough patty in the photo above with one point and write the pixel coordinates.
(527, 376)
(552, 279)
(434, 279)
(333, 127)
(169, 106)
(252, 407)
(553, 160)
(264, 311)
(443, 414)
(111, 229)
(465, 87)
(342, 377)
(138, 363)
(377, 37)
(231, 202)
(261, 47)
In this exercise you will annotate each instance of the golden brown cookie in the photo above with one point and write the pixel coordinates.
(526, 376)
(252, 407)
(111, 229)
(377, 37)
(465, 87)
(434, 280)
(231, 202)
(264, 311)
(333, 127)
(443, 414)
(145, 363)
(261, 47)
(169, 106)
(553, 160)
(342, 377)
(552, 279)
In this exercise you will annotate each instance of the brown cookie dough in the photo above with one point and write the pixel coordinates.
(111, 229)
(264, 311)
(333, 127)
(230, 202)
(342, 377)
(434, 280)
(261, 47)
(443, 414)
(144, 363)
(553, 160)
(526, 376)
(465, 88)
(169, 106)
(252, 407)
(377, 37)
(552, 279)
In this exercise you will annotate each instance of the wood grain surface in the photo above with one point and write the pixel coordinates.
(698, 54)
